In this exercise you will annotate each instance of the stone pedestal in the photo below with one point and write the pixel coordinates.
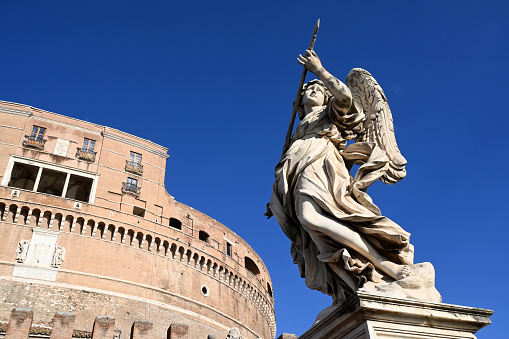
(378, 317)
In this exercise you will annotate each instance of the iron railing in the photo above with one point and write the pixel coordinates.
(33, 141)
(131, 188)
(133, 167)
(85, 154)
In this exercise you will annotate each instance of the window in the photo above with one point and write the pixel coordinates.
(87, 151)
(131, 186)
(88, 145)
(56, 180)
(229, 249)
(23, 176)
(52, 182)
(37, 133)
(132, 182)
(35, 139)
(175, 223)
(139, 211)
(204, 236)
(135, 158)
(79, 188)
(251, 266)
(134, 165)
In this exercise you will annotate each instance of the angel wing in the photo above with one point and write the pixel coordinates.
(378, 125)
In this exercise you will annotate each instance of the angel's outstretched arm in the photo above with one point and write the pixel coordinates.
(341, 93)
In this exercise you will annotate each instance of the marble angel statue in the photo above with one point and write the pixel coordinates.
(340, 240)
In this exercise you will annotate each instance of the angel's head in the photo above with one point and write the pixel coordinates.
(314, 93)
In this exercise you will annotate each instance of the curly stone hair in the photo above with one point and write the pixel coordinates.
(326, 95)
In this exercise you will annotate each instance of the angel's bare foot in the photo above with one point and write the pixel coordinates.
(396, 271)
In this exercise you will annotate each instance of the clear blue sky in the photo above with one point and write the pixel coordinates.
(215, 80)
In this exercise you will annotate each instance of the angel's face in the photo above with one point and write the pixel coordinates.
(313, 96)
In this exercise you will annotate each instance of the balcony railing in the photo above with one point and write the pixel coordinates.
(33, 141)
(134, 167)
(85, 154)
(131, 189)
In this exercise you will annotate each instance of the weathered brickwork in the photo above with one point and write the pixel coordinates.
(19, 327)
(91, 230)
(143, 329)
(63, 325)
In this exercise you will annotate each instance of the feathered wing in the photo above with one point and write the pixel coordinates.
(378, 125)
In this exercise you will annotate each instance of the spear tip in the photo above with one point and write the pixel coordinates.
(317, 26)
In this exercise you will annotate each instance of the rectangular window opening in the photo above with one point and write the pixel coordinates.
(37, 133)
(52, 182)
(135, 158)
(55, 181)
(88, 145)
(134, 165)
(139, 211)
(229, 249)
(23, 176)
(132, 182)
(79, 188)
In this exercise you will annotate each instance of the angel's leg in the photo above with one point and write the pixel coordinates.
(313, 219)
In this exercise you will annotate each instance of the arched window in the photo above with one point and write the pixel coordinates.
(175, 223)
(251, 266)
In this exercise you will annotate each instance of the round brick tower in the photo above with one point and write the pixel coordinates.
(88, 227)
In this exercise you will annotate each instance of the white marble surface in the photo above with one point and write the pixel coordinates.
(380, 317)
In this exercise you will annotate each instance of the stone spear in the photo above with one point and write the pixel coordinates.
(298, 99)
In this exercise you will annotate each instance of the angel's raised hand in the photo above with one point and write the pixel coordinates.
(311, 61)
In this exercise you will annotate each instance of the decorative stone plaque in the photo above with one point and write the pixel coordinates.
(42, 247)
(39, 256)
(61, 147)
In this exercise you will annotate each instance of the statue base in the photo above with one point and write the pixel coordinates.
(378, 317)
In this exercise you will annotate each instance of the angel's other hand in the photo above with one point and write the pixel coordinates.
(311, 61)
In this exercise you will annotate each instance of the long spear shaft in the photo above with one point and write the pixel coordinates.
(296, 103)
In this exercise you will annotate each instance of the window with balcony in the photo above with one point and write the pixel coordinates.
(87, 151)
(134, 165)
(36, 138)
(131, 186)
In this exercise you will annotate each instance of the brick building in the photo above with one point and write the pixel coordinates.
(88, 227)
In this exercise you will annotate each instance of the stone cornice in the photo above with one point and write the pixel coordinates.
(15, 111)
(135, 144)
